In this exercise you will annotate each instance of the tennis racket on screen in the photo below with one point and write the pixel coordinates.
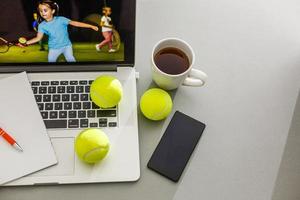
(5, 45)
(116, 40)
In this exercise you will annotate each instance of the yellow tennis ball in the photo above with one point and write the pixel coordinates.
(22, 40)
(91, 145)
(106, 91)
(156, 104)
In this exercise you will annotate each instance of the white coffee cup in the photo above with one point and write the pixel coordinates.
(190, 77)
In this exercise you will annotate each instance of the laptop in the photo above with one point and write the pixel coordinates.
(61, 85)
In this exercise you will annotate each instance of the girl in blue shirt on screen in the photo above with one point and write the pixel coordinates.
(56, 27)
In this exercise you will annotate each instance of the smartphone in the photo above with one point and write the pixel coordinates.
(176, 146)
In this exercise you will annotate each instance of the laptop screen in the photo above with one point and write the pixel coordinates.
(68, 33)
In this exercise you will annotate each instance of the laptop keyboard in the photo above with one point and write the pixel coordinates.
(67, 104)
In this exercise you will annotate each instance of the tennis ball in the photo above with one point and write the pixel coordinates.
(22, 40)
(156, 104)
(106, 91)
(91, 145)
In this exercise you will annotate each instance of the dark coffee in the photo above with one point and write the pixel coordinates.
(171, 61)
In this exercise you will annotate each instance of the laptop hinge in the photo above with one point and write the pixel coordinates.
(128, 69)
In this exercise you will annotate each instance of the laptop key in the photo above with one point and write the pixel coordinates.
(41, 106)
(73, 123)
(45, 83)
(73, 82)
(93, 125)
(67, 106)
(35, 83)
(35, 90)
(84, 123)
(87, 89)
(56, 123)
(91, 113)
(38, 98)
(86, 105)
(102, 124)
(49, 106)
(44, 115)
(47, 98)
(84, 97)
(63, 114)
(79, 89)
(64, 82)
(53, 114)
(61, 89)
(74, 97)
(42, 90)
(83, 82)
(56, 97)
(103, 120)
(72, 114)
(70, 89)
(51, 89)
(77, 105)
(81, 114)
(65, 97)
(112, 124)
(106, 113)
(58, 106)
(54, 82)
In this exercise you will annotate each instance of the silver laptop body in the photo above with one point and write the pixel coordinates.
(122, 162)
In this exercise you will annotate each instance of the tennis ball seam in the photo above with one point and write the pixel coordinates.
(92, 145)
(92, 151)
(101, 98)
(106, 91)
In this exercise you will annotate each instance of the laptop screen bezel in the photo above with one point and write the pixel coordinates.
(129, 57)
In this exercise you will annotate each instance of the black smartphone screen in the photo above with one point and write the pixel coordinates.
(176, 146)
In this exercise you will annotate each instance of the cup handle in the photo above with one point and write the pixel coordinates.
(196, 78)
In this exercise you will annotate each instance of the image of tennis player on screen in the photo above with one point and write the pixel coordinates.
(56, 27)
(50, 31)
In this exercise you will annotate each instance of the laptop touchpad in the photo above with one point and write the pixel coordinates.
(64, 149)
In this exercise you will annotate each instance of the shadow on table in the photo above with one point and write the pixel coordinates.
(288, 179)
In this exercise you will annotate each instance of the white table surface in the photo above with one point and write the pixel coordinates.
(251, 53)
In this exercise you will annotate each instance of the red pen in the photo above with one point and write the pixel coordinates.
(10, 140)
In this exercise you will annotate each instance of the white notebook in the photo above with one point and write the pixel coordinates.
(20, 117)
